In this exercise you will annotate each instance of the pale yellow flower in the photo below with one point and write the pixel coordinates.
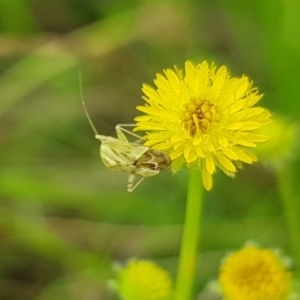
(144, 280)
(255, 274)
(283, 143)
(203, 118)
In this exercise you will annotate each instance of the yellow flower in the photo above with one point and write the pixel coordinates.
(203, 118)
(282, 145)
(144, 280)
(255, 274)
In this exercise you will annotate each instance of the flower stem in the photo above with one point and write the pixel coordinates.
(190, 238)
(291, 210)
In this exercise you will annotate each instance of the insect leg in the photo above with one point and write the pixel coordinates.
(130, 186)
(121, 130)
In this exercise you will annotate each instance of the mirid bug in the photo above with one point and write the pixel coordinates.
(121, 155)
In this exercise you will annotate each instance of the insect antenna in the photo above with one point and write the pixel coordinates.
(85, 109)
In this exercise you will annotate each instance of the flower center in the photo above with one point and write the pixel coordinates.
(200, 116)
(254, 274)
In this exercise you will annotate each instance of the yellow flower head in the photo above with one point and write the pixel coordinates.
(282, 145)
(145, 280)
(203, 118)
(255, 274)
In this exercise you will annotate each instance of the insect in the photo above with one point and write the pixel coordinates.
(121, 155)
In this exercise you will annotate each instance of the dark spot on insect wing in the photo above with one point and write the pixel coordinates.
(162, 158)
(153, 160)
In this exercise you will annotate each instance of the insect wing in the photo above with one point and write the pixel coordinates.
(118, 155)
(152, 162)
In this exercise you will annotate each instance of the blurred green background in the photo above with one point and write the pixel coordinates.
(64, 218)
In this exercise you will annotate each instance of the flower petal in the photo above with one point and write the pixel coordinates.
(226, 163)
(192, 156)
(229, 153)
(206, 179)
(176, 153)
(209, 164)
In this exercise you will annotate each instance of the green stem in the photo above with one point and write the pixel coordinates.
(291, 210)
(191, 234)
